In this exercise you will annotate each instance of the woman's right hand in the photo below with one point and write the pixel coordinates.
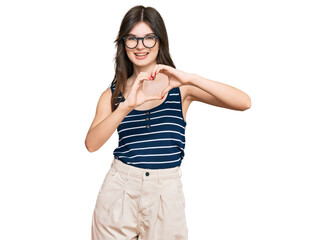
(136, 96)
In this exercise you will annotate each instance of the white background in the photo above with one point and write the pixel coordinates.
(265, 173)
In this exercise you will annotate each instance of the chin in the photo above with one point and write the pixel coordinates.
(143, 63)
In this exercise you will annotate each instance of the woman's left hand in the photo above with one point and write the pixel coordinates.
(176, 77)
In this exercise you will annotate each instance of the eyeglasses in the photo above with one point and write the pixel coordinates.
(148, 41)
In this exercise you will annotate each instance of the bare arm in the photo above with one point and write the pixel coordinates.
(105, 122)
(198, 88)
(217, 94)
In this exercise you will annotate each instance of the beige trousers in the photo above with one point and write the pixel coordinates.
(137, 203)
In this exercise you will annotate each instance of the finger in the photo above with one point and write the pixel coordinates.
(139, 81)
(144, 77)
(155, 70)
(158, 69)
(165, 90)
(150, 76)
(164, 69)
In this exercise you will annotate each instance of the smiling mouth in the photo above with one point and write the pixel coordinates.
(141, 54)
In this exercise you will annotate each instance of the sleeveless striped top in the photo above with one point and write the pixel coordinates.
(153, 138)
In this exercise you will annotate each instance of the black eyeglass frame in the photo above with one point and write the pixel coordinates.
(142, 38)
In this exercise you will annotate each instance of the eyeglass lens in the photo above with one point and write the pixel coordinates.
(131, 41)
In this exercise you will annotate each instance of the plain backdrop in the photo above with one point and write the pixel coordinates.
(264, 173)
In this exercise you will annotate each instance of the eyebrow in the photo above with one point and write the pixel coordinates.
(135, 35)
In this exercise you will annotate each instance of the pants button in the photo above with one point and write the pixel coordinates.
(147, 174)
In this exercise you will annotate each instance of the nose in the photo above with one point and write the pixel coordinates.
(140, 44)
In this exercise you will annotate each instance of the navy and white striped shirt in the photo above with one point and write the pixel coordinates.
(153, 138)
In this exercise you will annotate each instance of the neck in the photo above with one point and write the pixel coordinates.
(136, 71)
(147, 68)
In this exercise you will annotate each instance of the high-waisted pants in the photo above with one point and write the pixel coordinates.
(140, 204)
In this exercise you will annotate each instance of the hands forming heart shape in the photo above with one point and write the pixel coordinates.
(176, 78)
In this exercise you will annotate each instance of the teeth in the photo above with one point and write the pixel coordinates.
(141, 54)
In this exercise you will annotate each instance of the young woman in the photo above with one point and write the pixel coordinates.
(142, 194)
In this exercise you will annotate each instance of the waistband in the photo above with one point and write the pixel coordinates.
(144, 173)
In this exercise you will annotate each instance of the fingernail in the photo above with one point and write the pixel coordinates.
(162, 97)
(155, 73)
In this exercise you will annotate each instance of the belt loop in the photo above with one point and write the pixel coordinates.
(180, 171)
(159, 175)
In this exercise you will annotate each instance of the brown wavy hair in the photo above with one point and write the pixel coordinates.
(123, 66)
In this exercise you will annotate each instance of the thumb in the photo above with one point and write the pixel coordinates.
(164, 92)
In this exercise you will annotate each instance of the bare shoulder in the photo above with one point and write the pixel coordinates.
(185, 93)
(107, 92)
(103, 108)
(105, 99)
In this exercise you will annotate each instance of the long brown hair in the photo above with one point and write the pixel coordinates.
(123, 66)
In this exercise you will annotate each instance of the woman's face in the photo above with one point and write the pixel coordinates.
(142, 29)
